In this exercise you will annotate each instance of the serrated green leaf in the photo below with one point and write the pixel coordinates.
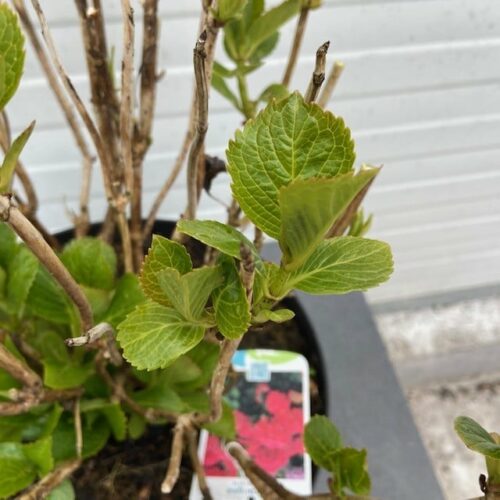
(352, 471)
(10, 161)
(22, 271)
(8, 245)
(232, 310)
(17, 471)
(476, 437)
(274, 91)
(225, 427)
(322, 441)
(220, 85)
(66, 375)
(63, 491)
(11, 53)
(128, 294)
(339, 265)
(40, 454)
(289, 140)
(267, 24)
(277, 316)
(162, 254)
(153, 336)
(310, 207)
(91, 261)
(189, 293)
(229, 9)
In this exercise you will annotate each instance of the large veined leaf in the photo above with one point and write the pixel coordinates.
(476, 437)
(232, 310)
(339, 265)
(91, 261)
(10, 161)
(153, 336)
(352, 472)
(11, 53)
(310, 207)
(322, 441)
(189, 293)
(162, 254)
(17, 470)
(289, 140)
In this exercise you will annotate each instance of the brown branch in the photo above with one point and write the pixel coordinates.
(82, 220)
(197, 466)
(19, 370)
(318, 75)
(35, 242)
(142, 133)
(78, 428)
(183, 425)
(201, 125)
(346, 218)
(331, 83)
(297, 42)
(50, 481)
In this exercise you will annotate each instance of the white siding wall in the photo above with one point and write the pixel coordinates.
(421, 91)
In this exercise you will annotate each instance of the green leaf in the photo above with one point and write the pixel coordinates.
(22, 271)
(189, 293)
(322, 441)
(10, 161)
(66, 375)
(277, 316)
(222, 71)
(162, 254)
(48, 300)
(99, 300)
(136, 426)
(288, 140)
(40, 454)
(154, 336)
(339, 265)
(476, 437)
(274, 91)
(268, 23)
(182, 371)
(493, 464)
(51, 346)
(310, 207)
(128, 295)
(205, 356)
(11, 54)
(229, 9)
(8, 245)
(159, 396)
(220, 85)
(232, 310)
(112, 411)
(352, 471)
(18, 471)
(91, 261)
(225, 427)
(63, 491)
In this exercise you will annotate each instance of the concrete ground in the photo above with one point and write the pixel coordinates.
(448, 361)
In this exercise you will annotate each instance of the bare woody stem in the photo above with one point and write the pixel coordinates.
(82, 221)
(331, 83)
(201, 125)
(19, 370)
(297, 42)
(50, 481)
(318, 75)
(197, 466)
(29, 234)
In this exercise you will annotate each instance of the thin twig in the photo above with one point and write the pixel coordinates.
(19, 370)
(142, 133)
(331, 83)
(318, 75)
(78, 428)
(200, 127)
(197, 466)
(82, 221)
(182, 425)
(50, 481)
(297, 42)
(36, 243)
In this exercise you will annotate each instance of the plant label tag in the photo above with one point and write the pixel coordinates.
(269, 396)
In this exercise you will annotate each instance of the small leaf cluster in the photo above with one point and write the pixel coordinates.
(478, 439)
(347, 465)
(249, 37)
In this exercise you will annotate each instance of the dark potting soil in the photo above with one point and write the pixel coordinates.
(135, 469)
